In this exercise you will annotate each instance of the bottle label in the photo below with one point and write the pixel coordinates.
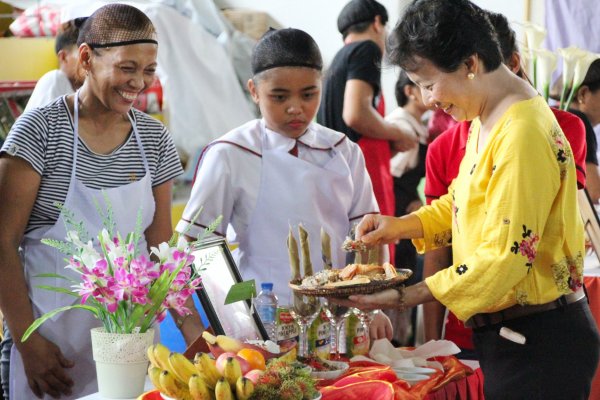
(357, 342)
(286, 327)
(266, 313)
(319, 336)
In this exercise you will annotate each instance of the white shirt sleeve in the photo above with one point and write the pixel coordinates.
(363, 198)
(50, 86)
(227, 183)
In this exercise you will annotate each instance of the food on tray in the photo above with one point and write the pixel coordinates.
(352, 274)
(352, 245)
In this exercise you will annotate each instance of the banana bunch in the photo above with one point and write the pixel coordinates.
(177, 377)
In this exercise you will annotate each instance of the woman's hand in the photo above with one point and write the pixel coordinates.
(377, 229)
(380, 327)
(401, 298)
(389, 298)
(45, 367)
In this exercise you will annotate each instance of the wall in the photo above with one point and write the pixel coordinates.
(318, 18)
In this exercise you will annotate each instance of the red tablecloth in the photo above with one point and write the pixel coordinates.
(469, 388)
(592, 285)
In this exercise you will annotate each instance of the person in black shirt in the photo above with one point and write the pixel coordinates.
(352, 101)
(587, 107)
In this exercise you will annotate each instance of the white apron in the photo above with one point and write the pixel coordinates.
(70, 330)
(294, 191)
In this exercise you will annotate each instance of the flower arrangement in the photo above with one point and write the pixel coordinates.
(541, 63)
(123, 288)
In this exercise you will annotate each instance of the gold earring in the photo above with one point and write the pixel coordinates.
(471, 75)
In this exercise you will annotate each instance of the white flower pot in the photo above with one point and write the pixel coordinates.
(121, 362)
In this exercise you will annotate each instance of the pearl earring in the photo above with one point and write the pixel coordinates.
(471, 75)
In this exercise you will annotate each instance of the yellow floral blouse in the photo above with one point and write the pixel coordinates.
(511, 216)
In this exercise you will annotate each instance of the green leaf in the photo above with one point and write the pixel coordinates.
(63, 247)
(38, 322)
(55, 276)
(58, 290)
(241, 291)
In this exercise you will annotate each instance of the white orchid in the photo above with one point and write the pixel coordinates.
(163, 252)
(546, 64)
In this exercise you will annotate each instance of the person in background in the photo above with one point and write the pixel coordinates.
(282, 170)
(67, 78)
(443, 160)
(77, 150)
(586, 105)
(352, 99)
(408, 168)
(511, 213)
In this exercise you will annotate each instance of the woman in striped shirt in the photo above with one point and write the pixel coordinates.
(74, 151)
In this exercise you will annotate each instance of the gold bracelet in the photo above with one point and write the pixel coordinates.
(400, 289)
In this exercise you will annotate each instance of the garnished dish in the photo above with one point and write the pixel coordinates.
(353, 279)
(324, 369)
(351, 245)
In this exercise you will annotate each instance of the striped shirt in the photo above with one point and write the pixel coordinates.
(44, 138)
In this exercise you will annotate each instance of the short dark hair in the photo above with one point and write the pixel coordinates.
(66, 36)
(445, 32)
(286, 48)
(116, 25)
(357, 28)
(402, 82)
(504, 34)
(592, 77)
(358, 15)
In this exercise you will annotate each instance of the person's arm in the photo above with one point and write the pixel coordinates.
(160, 231)
(358, 113)
(43, 361)
(592, 182)
(433, 312)
(382, 229)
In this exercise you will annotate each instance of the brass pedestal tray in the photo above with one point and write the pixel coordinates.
(347, 290)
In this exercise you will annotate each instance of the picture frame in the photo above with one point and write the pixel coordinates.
(591, 222)
(218, 270)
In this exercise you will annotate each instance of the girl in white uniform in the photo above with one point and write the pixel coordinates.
(282, 170)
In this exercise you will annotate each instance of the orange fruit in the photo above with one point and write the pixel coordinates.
(254, 358)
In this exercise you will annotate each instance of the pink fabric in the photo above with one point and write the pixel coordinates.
(37, 21)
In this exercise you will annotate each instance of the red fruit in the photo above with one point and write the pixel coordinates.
(222, 359)
(253, 375)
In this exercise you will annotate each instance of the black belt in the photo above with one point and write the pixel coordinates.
(517, 311)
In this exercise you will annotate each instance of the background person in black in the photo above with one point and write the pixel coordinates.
(586, 105)
(352, 95)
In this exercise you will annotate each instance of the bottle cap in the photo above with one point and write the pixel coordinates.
(266, 286)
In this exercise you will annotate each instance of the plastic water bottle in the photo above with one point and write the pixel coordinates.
(266, 307)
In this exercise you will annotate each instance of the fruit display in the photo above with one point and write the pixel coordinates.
(285, 381)
(222, 375)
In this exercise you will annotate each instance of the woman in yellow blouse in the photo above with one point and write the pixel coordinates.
(511, 214)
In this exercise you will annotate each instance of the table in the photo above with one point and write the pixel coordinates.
(469, 388)
(591, 279)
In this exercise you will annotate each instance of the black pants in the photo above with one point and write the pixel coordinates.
(558, 361)
(5, 347)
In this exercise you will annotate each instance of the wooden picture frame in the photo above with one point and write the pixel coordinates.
(215, 264)
(591, 222)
